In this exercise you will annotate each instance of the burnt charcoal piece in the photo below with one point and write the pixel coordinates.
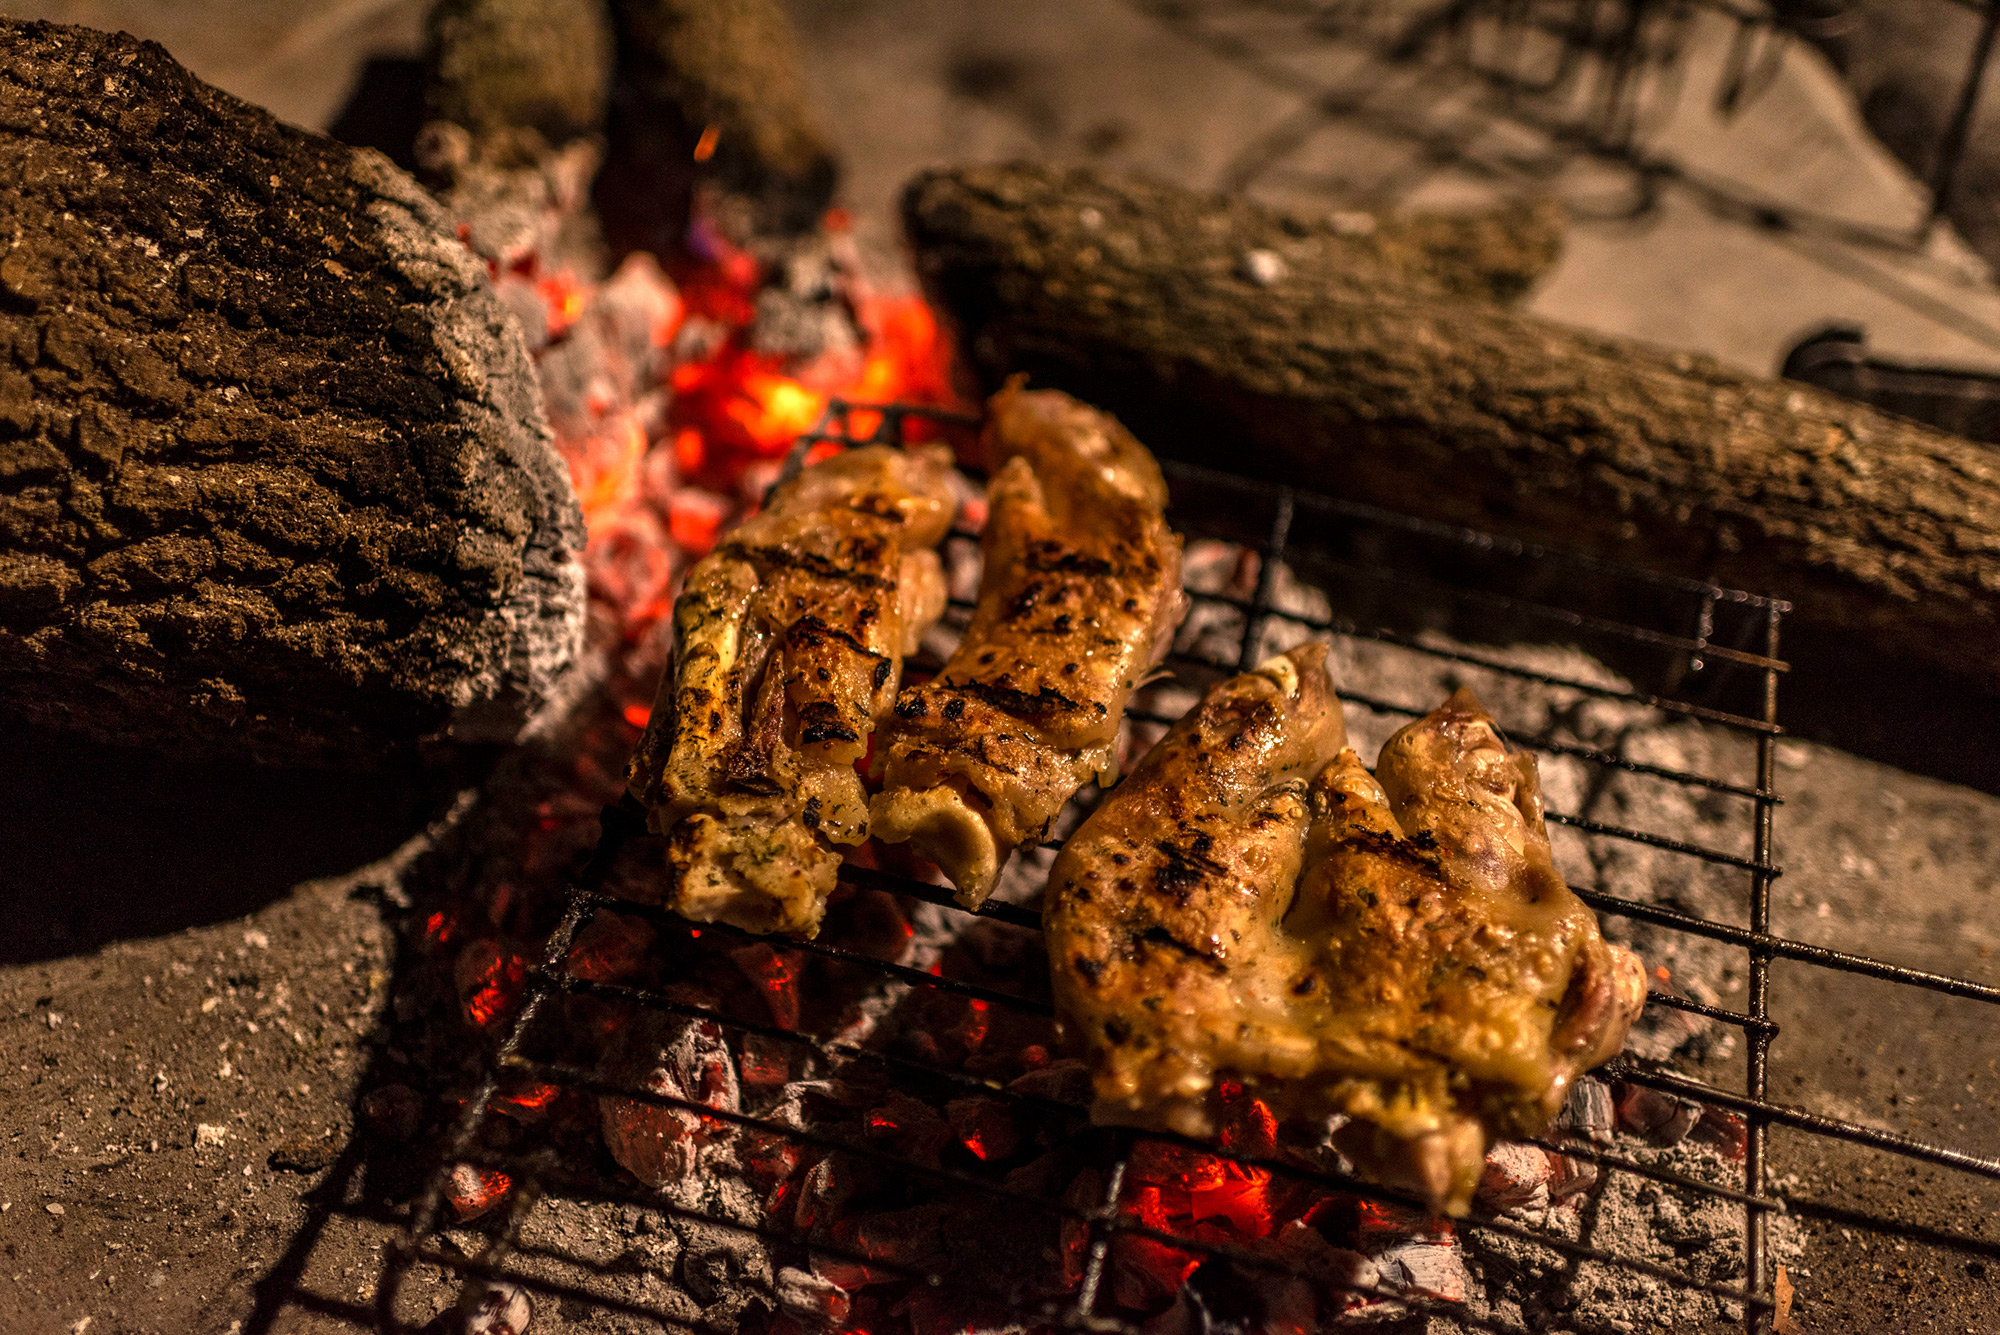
(277, 483)
(711, 90)
(1143, 300)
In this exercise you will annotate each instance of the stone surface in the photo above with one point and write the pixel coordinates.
(278, 479)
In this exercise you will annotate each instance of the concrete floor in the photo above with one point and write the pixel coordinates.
(114, 1080)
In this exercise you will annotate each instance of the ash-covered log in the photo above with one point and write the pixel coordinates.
(1352, 365)
(277, 480)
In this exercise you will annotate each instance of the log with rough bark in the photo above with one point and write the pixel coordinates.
(1360, 372)
(277, 483)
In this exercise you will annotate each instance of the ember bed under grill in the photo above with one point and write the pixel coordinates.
(1711, 655)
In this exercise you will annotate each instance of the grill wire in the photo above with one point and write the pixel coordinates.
(1756, 623)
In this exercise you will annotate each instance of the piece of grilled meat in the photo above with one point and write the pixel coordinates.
(1402, 955)
(789, 645)
(1164, 907)
(1079, 595)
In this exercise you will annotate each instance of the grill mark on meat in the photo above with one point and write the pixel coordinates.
(1047, 700)
(1024, 602)
(1419, 851)
(1157, 935)
(1186, 868)
(819, 721)
(812, 563)
(1052, 558)
(811, 632)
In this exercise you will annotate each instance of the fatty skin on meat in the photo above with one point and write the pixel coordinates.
(789, 640)
(1394, 952)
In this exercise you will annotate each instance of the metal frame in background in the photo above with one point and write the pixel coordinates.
(1287, 508)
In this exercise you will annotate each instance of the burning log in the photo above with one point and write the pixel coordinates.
(711, 90)
(1332, 367)
(521, 77)
(278, 484)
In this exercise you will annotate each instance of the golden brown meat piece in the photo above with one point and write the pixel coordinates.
(789, 641)
(1163, 907)
(1399, 953)
(1080, 594)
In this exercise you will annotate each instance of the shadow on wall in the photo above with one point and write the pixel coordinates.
(102, 843)
(1907, 62)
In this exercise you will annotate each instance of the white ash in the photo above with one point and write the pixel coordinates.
(1694, 1234)
(492, 1307)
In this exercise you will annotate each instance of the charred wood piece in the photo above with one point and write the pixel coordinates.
(277, 480)
(711, 93)
(521, 77)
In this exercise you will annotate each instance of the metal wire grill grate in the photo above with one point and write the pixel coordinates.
(1720, 650)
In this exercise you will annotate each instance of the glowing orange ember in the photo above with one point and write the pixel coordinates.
(529, 1103)
(774, 975)
(695, 519)
(490, 978)
(612, 946)
(473, 1191)
(440, 928)
(566, 298)
(671, 419)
